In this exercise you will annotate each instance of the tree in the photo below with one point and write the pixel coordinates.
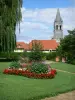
(10, 16)
(67, 46)
(36, 51)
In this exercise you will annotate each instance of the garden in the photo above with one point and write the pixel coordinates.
(13, 87)
(32, 65)
(28, 77)
(25, 76)
(34, 70)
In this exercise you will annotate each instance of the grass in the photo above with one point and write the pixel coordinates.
(21, 88)
(64, 66)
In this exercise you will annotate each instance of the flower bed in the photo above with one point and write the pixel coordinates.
(29, 74)
(24, 65)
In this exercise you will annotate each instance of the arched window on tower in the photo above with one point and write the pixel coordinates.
(60, 27)
(56, 27)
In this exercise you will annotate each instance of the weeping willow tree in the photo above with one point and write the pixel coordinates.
(10, 16)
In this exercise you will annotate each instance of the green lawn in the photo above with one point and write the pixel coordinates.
(64, 66)
(21, 88)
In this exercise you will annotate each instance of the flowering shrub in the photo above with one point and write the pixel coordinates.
(54, 71)
(29, 74)
(39, 68)
(14, 64)
(31, 70)
(24, 65)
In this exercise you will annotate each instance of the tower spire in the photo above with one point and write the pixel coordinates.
(58, 26)
(58, 17)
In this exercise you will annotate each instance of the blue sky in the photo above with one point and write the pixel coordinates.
(38, 18)
(32, 4)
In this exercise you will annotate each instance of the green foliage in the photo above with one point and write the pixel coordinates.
(23, 59)
(67, 47)
(39, 68)
(36, 54)
(51, 56)
(14, 64)
(12, 56)
(10, 16)
(73, 62)
(18, 87)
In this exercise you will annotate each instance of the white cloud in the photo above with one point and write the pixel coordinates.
(32, 25)
(41, 20)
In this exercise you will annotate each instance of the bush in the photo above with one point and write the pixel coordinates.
(23, 59)
(14, 64)
(12, 56)
(36, 53)
(9, 56)
(51, 56)
(74, 61)
(39, 68)
(35, 56)
(44, 55)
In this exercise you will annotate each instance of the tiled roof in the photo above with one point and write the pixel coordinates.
(47, 44)
(22, 45)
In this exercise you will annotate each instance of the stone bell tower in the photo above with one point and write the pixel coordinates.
(58, 27)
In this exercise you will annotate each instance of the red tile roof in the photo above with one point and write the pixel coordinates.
(47, 44)
(22, 45)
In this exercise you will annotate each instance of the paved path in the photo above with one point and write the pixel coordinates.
(49, 62)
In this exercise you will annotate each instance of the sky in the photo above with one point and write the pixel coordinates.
(38, 18)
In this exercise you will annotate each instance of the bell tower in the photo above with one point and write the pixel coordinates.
(58, 27)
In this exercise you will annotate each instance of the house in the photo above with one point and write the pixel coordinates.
(48, 45)
(21, 47)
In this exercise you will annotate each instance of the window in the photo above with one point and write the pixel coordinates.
(60, 27)
(56, 27)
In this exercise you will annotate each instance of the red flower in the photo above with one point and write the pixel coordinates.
(5, 71)
(29, 74)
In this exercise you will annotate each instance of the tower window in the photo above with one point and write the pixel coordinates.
(60, 27)
(56, 27)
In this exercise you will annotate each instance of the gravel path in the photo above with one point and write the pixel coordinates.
(65, 71)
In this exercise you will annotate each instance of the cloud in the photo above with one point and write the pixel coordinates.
(24, 38)
(33, 25)
(38, 23)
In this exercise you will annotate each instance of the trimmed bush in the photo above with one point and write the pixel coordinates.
(35, 56)
(9, 56)
(73, 62)
(51, 56)
(12, 56)
(36, 51)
